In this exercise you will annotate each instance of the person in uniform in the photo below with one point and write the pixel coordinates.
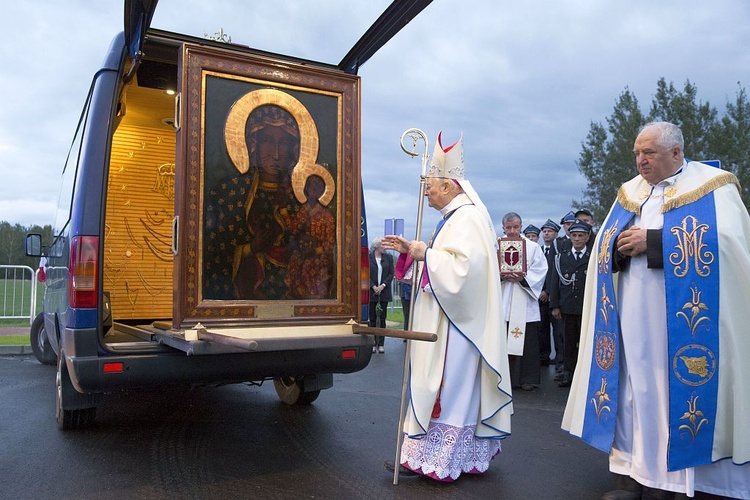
(585, 215)
(550, 329)
(563, 243)
(532, 233)
(661, 383)
(459, 386)
(566, 296)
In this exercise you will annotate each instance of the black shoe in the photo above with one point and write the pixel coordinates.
(527, 387)
(559, 377)
(564, 383)
(402, 471)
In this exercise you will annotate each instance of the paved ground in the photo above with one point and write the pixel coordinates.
(14, 330)
(239, 441)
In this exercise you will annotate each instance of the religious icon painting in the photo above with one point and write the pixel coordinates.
(268, 189)
(511, 255)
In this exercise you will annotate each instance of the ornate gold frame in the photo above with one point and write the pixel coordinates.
(511, 255)
(261, 81)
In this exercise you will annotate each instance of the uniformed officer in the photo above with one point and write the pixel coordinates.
(532, 233)
(566, 295)
(562, 242)
(549, 325)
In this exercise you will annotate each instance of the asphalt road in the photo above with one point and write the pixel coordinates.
(240, 441)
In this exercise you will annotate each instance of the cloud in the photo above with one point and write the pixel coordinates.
(521, 80)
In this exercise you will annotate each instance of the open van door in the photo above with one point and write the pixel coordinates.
(138, 15)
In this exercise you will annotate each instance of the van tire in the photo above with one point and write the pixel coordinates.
(290, 391)
(78, 418)
(40, 343)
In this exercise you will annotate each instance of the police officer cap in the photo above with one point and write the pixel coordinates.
(584, 211)
(531, 228)
(552, 225)
(569, 217)
(580, 227)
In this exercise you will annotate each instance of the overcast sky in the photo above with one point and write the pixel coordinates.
(521, 80)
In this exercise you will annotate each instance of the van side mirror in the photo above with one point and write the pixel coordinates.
(33, 245)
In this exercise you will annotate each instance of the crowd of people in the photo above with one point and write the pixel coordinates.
(640, 316)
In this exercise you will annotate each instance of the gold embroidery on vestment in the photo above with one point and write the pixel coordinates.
(601, 397)
(606, 305)
(696, 365)
(696, 194)
(695, 306)
(605, 255)
(690, 248)
(694, 416)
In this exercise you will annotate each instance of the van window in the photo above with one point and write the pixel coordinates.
(70, 171)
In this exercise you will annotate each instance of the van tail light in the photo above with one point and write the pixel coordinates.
(364, 274)
(116, 367)
(83, 279)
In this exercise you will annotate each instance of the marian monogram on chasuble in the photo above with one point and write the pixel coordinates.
(690, 251)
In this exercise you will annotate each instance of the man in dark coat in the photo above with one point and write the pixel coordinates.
(566, 296)
(381, 276)
(547, 324)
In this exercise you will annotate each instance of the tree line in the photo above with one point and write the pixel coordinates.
(12, 238)
(606, 159)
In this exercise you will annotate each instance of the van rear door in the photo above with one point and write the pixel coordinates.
(138, 15)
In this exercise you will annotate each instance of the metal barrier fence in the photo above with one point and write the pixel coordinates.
(18, 292)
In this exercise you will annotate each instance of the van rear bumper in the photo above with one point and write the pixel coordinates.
(168, 366)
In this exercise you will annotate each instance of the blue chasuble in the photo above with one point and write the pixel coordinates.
(691, 267)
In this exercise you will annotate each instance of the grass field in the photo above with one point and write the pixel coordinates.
(15, 295)
(14, 340)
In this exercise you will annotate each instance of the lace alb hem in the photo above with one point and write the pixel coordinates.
(446, 452)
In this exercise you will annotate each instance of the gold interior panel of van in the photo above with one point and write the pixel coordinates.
(138, 260)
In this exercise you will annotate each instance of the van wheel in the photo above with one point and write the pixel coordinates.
(78, 418)
(290, 391)
(40, 343)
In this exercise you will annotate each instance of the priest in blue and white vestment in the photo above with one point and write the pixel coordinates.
(663, 377)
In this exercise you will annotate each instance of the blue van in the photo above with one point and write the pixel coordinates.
(210, 223)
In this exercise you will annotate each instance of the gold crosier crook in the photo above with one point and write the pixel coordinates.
(415, 135)
(234, 138)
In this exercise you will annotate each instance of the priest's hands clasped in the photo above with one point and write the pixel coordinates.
(632, 241)
(415, 249)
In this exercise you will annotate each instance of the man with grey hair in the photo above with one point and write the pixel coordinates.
(459, 388)
(521, 291)
(662, 382)
(381, 276)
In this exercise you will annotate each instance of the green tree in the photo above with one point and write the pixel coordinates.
(731, 136)
(12, 243)
(606, 158)
(695, 119)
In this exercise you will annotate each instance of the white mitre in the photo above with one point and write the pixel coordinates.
(448, 163)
